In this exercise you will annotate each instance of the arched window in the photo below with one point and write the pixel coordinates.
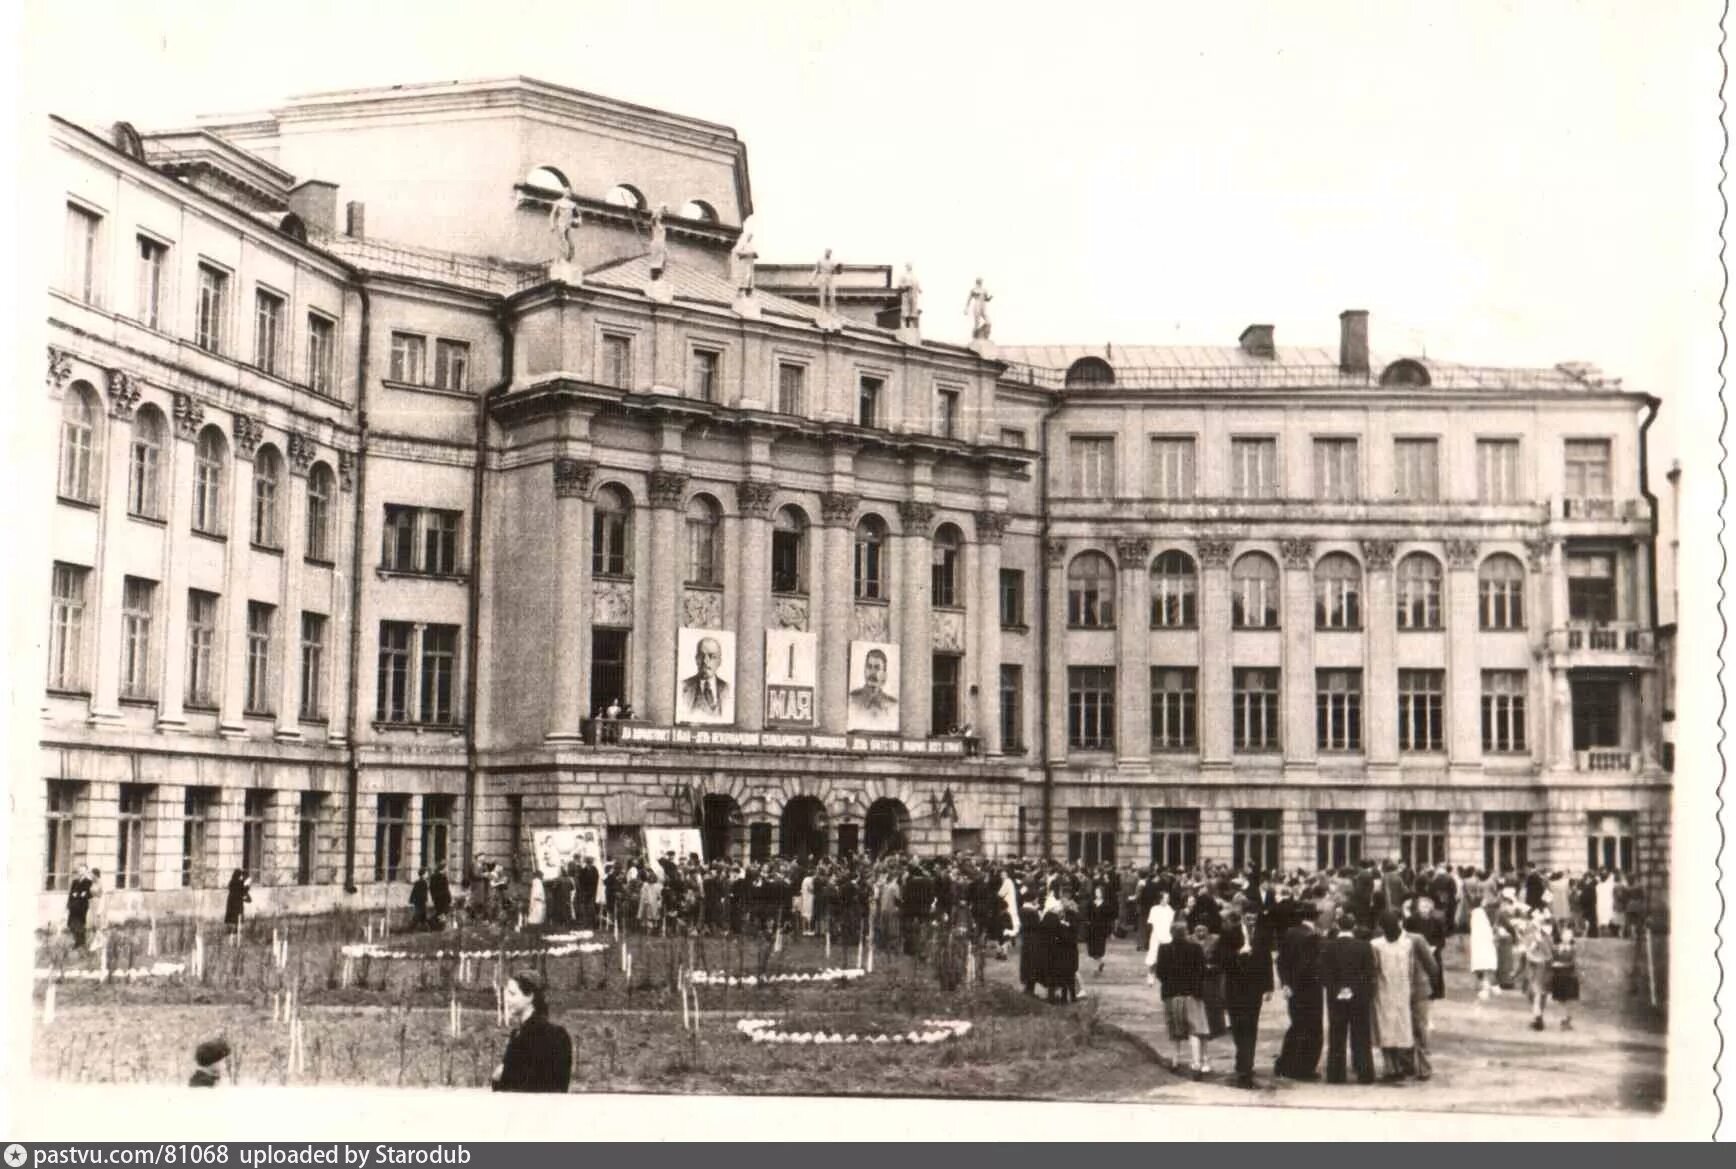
(870, 569)
(547, 180)
(319, 512)
(209, 459)
(612, 533)
(145, 468)
(1337, 592)
(790, 551)
(1091, 591)
(78, 415)
(1501, 592)
(267, 471)
(1090, 371)
(626, 195)
(1419, 592)
(699, 209)
(1174, 592)
(1405, 372)
(947, 586)
(704, 550)
(1254, 592)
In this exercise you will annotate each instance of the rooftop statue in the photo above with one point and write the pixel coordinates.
(564, 221)
(977, 305)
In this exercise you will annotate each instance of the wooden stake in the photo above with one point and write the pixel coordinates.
(48, 1006)
(151, 939)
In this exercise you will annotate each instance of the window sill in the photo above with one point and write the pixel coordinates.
(1339, 629)
(63, 692)
(1421, 754)
(1021, 627)
(402, 574)
(1014, 749)
(1171, 752)
(318, 720)
(1104, 628)
(790, 594)
(1340, 754)
(1274, 752)
(200, 707)
(153, 520)
(453, 729)
(1420, 629)
(217, 537)
(611, 576)
(81, 504)
(1256, 629)
(139, 700)
(318, 562)
(1501, 629)
(268, 549)
(703, 585)
(1091, 748)
(879, 601)
(1190, 627)
(259, 715)
(418, 388)
(960, 609)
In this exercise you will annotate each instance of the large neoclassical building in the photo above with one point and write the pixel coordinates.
(382, 539)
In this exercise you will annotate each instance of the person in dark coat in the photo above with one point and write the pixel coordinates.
(585, 894)
(419, 901)
(1361, 901)
(1206, 912)
(1100, 915)
(1347, 974)
(1033, 944)
(1536, 885)
(914, 906)
(208, 1058)
(1181, 974)
(78, 905)
(1433, 929)
(1247, 981)
(1445, 895)
(539, 1053)
(1064, 951)
(440, 895)
(238, 897)
(1299, 974)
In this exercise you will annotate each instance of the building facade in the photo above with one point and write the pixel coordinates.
(381, 540)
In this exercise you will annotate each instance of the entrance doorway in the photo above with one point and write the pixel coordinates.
(720, 826)
(802, 830)
(886, 828)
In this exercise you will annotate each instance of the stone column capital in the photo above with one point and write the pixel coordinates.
(59, 367)
(302, 452)
(838, 507)
(248, 432)
(1377, 554)
(573, 478)
(991, 526)
(124, 393)
(1461, 554)
(1132, 551)
(189, 416)
(1297, 553)
(668, 488)
(1537, 553)
(1215, 553)
(753, 498)
(916, 515)
(1056, 553)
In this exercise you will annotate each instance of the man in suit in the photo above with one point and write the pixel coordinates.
(440, 895)
(1299, 974)
(870, 702)
(1247, 967)
(704, 695)
(78, 905)
(1347, 973)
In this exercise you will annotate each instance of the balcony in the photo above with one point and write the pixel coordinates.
(1603, 645)
(1573, 515)
(1606, 760)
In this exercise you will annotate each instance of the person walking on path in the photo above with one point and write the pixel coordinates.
(1539, 948)
(1247, 967)
(1425, 977)
(1181, 971)
(1392, 997)
(1100, 915)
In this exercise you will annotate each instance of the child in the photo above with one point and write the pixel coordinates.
(209, 1055)
(1564, 975)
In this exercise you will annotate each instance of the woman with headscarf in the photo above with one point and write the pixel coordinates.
(1538, 940)
(1392, 997)
(539, 1053)
(239, 896)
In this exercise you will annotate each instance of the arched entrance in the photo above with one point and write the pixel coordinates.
(886, 828)
(802, 829)
(720, 827)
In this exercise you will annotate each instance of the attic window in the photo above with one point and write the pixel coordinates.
(293, 227)
(128, 142)
(1405, 372)
(548, 180)
(699, 209)
(626, 195)
(1090, 371)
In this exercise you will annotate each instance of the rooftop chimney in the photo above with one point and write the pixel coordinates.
(355, 221)
(1257, 341)
(316, 201)
(1353, 341)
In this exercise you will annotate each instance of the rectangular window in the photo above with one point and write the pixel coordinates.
(617, 360)
(1504, 710)
(267, 330)
(391, 818)
(1421, 695)
(437, 816)
(392, 694)
(201, 648)
(307, 825)
(398, 551)
(1338, 710)
(1254, 468)
(1012, 598)
(208, 468)
(1013, 437)
(409, 358)
(313, 633)
(608, 667)
(58, 862)
(1174, 708)
(66, 628)
(1596, 713)
(145, 471)
(1012, 708)
(946, 413)
(260, 618)
(791, 379)
(1175, 837)
(82, 232)
(1255, 710)
(1338, 839)
(1587, 468)
(1416, 470)
(1170, 474)
(440, 542)
(130, 836)
(943, 689)
(1422, 839)
(439, 674)
(1091, 707)
(788, 559)
(196, 809)
(255, 809)
(1591, 587)
(1609, 841)
(1093, 461)
(1254, 840)
(153, 261)
(1335, 470)
(1506, 841)
(138, 602)
(704, 374)
(321, 341)
(211, 312)
(452, 365)
(868, 391)
(1498, 470)
(1091, 836)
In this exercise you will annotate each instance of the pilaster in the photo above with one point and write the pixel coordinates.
(1300, 741)
(570, 650)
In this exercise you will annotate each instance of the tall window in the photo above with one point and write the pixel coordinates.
(1506, 841)
(946, 413)
(943, 709)
(1091, 591)
(78, 415)
(1254, 713)
(130, 836)
(439, 679)
(1416, 470)
(1338, 839)
(313, 649)
(704, 553)
(196, 808)
(944, 574)
(1419, 592)
(409, 358)
(1609, 841)
(1254, 468)
(1587, 468)
(1012, 598)
(211, 316)
(1501, 593)
(1254, 839)
(1012, 706)
(1091, 835)
(208, 459)
(1337, 592)
(1591, 587)
(1170, 473)
(1335, 472)
(791, 379)
(789, 551)
(1174, 708)
(608, 666)
(1174, 592)
(617, 361)
(267, 330)
(868, 391)
(1254, 592)
(1498, 470)
(703, 374)
(1504, 710)
(1091, 707)
(260, 618)
(1422, 839)
(83, 229)
(1421, 696)
(153, 262)
(138, 601)
(57, 856)
(611, 531)
(870, 567)
(392, 695)
(1093, 461)
(440, 542)
(145, 468)
(307, 824)
(1597, 718)
(452, 365)
(398, 551)
(201, 648)
(391, 819)
(66, 628)
(321, 348)
(267, 468)
(319, 513)
(255, 809)
(437, 816)
(1175, 837)
(1338, 710)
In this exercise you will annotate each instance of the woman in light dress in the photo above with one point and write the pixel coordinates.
(1392, 997)
(805, 905)
(539, 904)
(1485, 959)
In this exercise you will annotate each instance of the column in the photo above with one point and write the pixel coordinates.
(1055, 639)
(1217, 679)
(172, 682)
(1300, 744)
(572, 587)
(1380, 677)
(1561, 721)
(838, 514)
(343, 537)
(1642, 608)
(293, 539)
(1539, 690)
(752, 590)
(1558, 608)
(990, 527)
(916, 648)
(1464, 682)
(1133, 655)
(668, 570)
(231, 723)
(105, 703)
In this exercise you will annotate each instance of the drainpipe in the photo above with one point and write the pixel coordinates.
(473, 628)
(1652, 405)
(1043, 608)
(352, 703)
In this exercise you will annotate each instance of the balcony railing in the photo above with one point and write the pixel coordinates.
(1606, 759)
(1612, 637)
(1585, 507)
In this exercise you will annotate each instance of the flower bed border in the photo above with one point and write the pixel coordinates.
(933, 1031)
(830, 974)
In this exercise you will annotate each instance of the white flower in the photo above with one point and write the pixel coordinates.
(853, 1039)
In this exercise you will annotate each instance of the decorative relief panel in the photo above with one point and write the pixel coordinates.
(838, 507)
(946, 632)
(1461, 554)
(702, 608)
(612, 602)
(990, 526)
(347, 470)
(301, 452)
(1215, 553)
(248, 432)
(124, 393)
(1297, 553)
(871, 623)
(573, 478)
(668, 488)
(59, 368)
(1378, 554)
(790, 612)
(190, 417)
(1131, 551)
(753, 498)
(916, 515)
